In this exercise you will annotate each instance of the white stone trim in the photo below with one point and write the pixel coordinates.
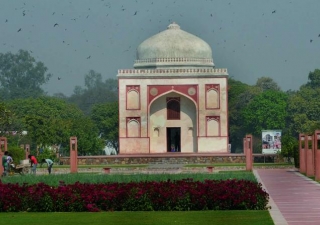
(166, 72)
(155, 60)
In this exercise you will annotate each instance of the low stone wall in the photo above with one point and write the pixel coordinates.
(169, 159)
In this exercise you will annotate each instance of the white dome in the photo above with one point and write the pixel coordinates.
(174, 48)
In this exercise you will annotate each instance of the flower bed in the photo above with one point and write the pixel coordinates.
(180, 195)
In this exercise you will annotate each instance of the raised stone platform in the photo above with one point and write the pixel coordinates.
(157, 169)
(169, 158)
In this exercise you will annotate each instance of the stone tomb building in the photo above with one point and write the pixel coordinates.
(174, 100)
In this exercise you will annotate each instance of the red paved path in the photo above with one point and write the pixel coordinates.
(296, 196)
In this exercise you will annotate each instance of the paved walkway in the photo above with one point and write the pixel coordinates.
(294, 198)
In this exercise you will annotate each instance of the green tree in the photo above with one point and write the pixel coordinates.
(236, 90)
(92, 79)
(10, 126)
(21, 76)
(314, 79)
(266, 111)
(267, 83)
(52, 121)
(106, 117)
(289, 147)
(95, 92)
(88, 139)
(304, 110)
(6, 118)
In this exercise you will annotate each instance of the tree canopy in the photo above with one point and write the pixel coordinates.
(106, 117)
(95, 92)
(314, 79)
(6, 118)
(266, 111)
(21, 76)
(52, 121)
(267, 83)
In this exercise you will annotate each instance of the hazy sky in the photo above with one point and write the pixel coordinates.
(251, 38)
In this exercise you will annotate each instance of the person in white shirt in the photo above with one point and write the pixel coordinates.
(49, 163)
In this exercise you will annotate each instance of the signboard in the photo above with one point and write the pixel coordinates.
(271, 141)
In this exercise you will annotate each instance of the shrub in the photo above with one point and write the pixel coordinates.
(179, 195)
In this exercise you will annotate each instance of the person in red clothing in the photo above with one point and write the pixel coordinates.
(34, 163)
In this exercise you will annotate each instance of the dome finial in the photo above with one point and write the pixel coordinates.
(173, 25)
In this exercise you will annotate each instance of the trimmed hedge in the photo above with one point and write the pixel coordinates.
(180, 195)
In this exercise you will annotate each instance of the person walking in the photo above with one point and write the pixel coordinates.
(49, 164)
(34, 163)
(10, 162)
(5, 163)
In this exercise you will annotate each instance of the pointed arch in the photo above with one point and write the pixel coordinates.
(173, 108)
(133, 127)
(133, 97)
(213, 126)
(212, 96)
(188, 122)
(173, 91)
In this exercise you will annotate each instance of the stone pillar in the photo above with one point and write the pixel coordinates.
(310, 156)
(249, 152)
(302, 158)
(73, 155)
(317, 154)
(27, 150)
(3, 148)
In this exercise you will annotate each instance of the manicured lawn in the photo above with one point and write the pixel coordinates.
(54, 179)
(141, 218)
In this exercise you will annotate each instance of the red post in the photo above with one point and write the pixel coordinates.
(3, 148)
(302, 158)
(317, 154)
(73, 155)
(249, 152)
(210, 169)
(310, 156)
(106, 170)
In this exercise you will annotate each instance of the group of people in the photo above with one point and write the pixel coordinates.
(34, 163)
(7, 160)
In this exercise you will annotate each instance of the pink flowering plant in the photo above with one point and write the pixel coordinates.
(177, 195)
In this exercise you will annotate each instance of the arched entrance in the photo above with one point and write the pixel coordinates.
(173, 124)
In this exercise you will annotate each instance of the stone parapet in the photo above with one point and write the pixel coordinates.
(173, 62)
(171, 72)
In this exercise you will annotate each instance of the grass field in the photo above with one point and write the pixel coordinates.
(141, 218)
(54, 179)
